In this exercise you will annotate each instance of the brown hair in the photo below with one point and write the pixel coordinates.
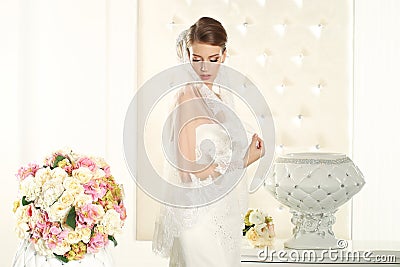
(206, 30)
(209, 31)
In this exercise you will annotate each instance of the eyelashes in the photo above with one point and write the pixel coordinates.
(211, 60)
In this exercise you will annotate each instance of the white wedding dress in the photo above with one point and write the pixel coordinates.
(209, 235)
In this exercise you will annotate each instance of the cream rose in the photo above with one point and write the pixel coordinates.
(21, 229)
(58, 211)
(73, 186)
(111, 222)
(83, 175)
(66, 199)
(62, 248)
(261, 229)
(256, 217)
(59, 173)
(82, 199)
(41, 247)
(85, 234)
(99, 161)
(29, 188)
(51, 191)
(99, 174)
(74, 237)
(43, 175)
(21, 214)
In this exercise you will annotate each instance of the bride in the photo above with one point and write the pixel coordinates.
(210, 234)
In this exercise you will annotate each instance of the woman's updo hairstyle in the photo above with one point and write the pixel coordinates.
(207, 31)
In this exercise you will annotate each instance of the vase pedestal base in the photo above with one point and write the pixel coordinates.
(315, 241)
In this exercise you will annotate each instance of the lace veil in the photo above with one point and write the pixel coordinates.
(210, 167)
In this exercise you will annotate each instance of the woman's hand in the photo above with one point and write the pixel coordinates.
(255, 151)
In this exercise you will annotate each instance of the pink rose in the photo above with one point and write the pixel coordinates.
(24, 172)
(107, 170)
(121, 210)
(54, 235)
(89, 214)
(96, 189)
(86, 162)
(97, 242)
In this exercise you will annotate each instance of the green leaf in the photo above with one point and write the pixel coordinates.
(57, 160)
(247, 228)
(25, 202)
(111, 238)
(61, 258)
(71, 218)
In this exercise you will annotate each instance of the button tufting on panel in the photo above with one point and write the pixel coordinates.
(317, 29)
(243, 27)
(281, 28)
(317, 88)
(298, 120)
(171, 25)
(262, 59)
(282, 87)
(174, 22)
(298, 59)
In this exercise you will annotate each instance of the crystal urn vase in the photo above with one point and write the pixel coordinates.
(314, 186)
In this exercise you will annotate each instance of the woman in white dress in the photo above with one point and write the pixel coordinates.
(207, 235)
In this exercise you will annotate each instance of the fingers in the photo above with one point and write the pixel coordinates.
(259, 143)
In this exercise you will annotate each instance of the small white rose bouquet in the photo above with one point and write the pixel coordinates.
(258, 228)
(69, 206)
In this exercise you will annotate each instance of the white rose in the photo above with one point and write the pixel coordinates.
(21, 229)
(42, 249)
(82, 199)
(85, 234)
(21, 214)
(99, 162)
(83, 175)
(58, 211)
(99, 174)
(256, 217)
(59, 173)
(111, 222)
(67, 199)
(29, 188)
(74, 237)
(51, 191)
(62, 248)
(43, 175)
(261, 229)
(73, 186)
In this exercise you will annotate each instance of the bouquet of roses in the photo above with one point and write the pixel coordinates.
(258, 228)
(69, 206)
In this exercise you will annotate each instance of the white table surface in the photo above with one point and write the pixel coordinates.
(365, 253)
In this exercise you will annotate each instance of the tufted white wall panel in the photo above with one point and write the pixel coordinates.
(299, 55)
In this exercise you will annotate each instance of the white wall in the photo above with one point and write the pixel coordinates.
(67, 74)
(376, 140)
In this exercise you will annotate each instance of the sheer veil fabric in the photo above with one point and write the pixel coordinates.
(203, 235)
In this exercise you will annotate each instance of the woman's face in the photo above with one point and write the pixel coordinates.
(205, 60)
